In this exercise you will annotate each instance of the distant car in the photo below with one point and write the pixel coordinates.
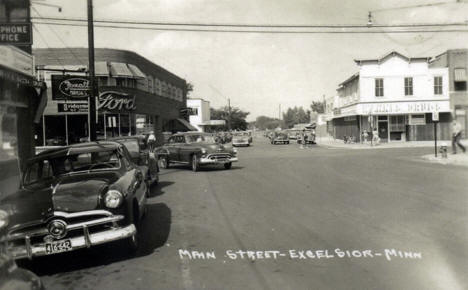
(141, 156)
(241, 139)
(280, 138)
(76, 197)
(195, 149)
(293, 134)
(311, 139)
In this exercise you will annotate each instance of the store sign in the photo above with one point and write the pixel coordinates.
(16, 60)
(70, 87)
(15, 77)
(116, 101)
(15, 33)
(404, 107)
(72, 107)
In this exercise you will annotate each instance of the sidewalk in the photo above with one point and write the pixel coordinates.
(330, 142)
(453, 159)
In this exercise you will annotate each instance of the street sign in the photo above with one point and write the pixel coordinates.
(435, 116)
(72, 107)
(69, 87)
(15, 33)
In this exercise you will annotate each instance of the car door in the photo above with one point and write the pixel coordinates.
(136, 176)
(175, 148)
(186, 150)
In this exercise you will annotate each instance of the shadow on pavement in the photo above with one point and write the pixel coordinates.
(154, 232)
(158, 189)
(204, 168)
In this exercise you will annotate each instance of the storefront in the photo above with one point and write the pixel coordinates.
(19, 102)
(395, 121)
(136, 96)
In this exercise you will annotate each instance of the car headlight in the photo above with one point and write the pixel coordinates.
(203, 151)
(234, 150)
(3, 219)
(113, 198)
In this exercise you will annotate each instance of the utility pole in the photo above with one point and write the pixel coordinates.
(279, 112)
(92, 91)
(229, 112)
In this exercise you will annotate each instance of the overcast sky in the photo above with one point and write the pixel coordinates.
(258, 72)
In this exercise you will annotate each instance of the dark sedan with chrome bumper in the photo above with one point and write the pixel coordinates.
(76, 197)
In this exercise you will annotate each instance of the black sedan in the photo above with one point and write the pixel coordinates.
(76, 197)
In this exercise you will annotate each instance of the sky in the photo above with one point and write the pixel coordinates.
(259, 73)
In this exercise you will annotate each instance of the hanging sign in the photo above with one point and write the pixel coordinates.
(15, 33)
(70, 87)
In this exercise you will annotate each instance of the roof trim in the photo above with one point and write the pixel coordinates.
(393, 53)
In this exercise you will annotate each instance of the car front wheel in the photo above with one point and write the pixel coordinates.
(164, 162)
(227, 165)
(195, 165)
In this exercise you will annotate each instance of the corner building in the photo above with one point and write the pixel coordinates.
(135, 96)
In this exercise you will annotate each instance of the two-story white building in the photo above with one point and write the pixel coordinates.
(200, 116)
(395, 94)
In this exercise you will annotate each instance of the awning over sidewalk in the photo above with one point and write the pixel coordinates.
(186, 124)
(178, 125)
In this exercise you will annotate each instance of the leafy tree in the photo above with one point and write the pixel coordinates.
(238, 117)
(296, 115)
(264, 122)
(318, 107)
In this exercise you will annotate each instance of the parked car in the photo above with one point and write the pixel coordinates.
(76, 197)
(310, 137)
(11, 276)
(280, 138)
(141, 156)
(241, 139)
(195, 149)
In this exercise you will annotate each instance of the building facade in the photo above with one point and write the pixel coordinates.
(200, 115)
(456, 60)
(395, 94)
(136, 96)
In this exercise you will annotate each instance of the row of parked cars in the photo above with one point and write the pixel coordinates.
(86, 194)
(285, 136)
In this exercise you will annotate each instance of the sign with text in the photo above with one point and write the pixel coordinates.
(72, 107)
(404, 107)
(15, 33)
(68, 87)
(116, 101)
(435, 116)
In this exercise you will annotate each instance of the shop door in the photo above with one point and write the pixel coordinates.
(77, 128)
(383, 131)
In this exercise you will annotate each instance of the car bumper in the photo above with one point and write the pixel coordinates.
(205, 160)
(246, 143)
(80, 242)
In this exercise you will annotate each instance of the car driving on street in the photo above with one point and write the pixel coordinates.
(241, 139)
(195, 149)
(76, 197)
(280, 138)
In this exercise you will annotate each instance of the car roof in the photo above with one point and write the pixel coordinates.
(77, 149)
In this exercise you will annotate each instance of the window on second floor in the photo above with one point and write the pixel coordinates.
(408, 86)
(460, 79)
(379, 87)
(438, 86)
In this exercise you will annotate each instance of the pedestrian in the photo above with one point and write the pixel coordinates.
(151, 141)
(456, 136)
(375, 136)
(364, 136)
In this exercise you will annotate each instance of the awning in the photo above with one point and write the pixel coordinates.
(137, 73)
(186, 124)
(120, 70)
(101, 69)
(460, 75)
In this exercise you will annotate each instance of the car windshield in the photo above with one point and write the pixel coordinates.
(44, 170)
(200, 139)
(132, 145)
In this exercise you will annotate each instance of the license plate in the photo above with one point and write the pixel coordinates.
(58, 247)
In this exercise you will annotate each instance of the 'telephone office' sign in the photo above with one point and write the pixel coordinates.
(15, 33)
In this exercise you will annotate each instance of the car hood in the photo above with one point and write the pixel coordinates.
(73, 193)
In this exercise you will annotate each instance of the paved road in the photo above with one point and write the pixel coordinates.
(292, 204)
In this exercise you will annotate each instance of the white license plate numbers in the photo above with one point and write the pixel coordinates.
(58, 247)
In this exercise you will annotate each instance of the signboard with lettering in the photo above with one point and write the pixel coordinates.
(68, 87)
(435, 116)
(15, 33)
(404, 107)
(116, 101)
(72, 107)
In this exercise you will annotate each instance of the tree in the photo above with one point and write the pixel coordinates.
(264, 122)
(318, 107)
(237, 119)
(189, 88)
(296, 115)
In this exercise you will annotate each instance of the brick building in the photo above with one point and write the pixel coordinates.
(155, 96)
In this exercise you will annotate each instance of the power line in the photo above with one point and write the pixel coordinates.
(45, 42)
(367, 30)
(239, 25)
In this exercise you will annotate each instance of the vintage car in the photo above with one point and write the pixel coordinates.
(11, 276)
(241, 139)
(310, 137)
(76, 197)
(280, 138)
(195, 149)
(141, 156)
(293, 134)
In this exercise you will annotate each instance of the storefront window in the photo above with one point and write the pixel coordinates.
(55, 130)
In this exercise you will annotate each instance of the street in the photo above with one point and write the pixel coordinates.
(314, 218)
